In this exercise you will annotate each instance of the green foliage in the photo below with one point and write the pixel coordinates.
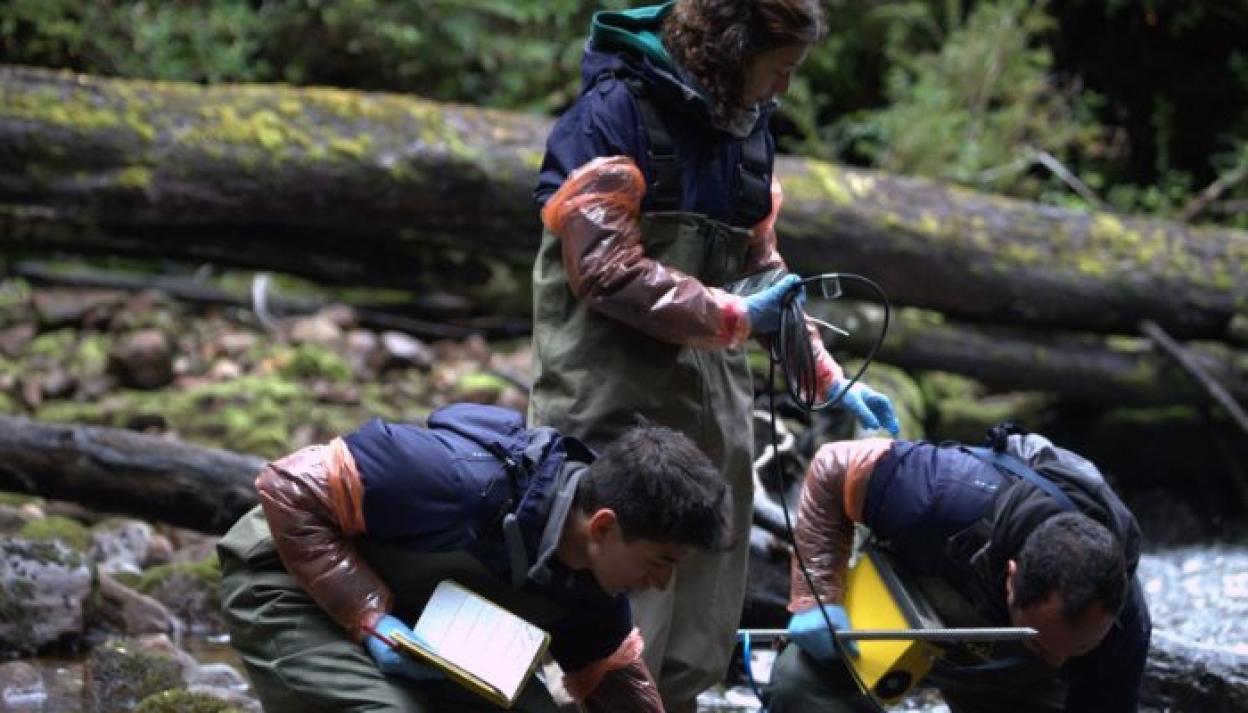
(506, 53)
(976, 108)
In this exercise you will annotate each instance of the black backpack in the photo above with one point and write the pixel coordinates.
(1021, 455)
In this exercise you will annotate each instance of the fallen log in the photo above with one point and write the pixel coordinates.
(124, 472)
(386, 190)
(1081, 368)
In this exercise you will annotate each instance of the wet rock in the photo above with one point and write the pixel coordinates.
(401, 350)
(147, 309)
(21, 688)
(120, 547)
(1186, 677)
(189, 590)
(119, 674)
(321, 328)
(235, 344)
(142, 360)
(159, 550)
(130, 612)
(79, 307)
(362, 347)
(13, 340)
(12, 518)
(224, 370)
(42, 589)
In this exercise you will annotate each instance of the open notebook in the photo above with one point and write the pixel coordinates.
(477, 643)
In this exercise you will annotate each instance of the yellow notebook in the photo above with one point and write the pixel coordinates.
(477, 643)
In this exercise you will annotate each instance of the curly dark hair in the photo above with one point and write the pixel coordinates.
(714, 40)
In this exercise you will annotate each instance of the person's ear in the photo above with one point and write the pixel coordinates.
(600, 523)
(1011, 571)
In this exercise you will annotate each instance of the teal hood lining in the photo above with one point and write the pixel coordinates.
(638, 29)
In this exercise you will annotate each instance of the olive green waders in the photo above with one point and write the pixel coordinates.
(300, 661)
(594, 375)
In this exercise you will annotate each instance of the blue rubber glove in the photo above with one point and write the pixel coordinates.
(872, 408)
(397, 663)
(809, 630)
(764, 307)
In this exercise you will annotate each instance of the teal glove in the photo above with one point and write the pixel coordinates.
(764, 307)
(809, 630)
(397, 663)
(872, 408)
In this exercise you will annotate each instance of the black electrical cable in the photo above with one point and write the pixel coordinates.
(791, 350)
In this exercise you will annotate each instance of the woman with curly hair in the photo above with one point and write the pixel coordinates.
(657, 192)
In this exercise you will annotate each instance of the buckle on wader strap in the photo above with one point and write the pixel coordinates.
(665, 187)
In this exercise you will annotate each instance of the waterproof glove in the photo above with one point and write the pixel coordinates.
(809, 630)
(872, 408)
(764, 307)
(397, 663)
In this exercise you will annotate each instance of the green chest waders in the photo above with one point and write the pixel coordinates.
(594, 375)
(300, 661)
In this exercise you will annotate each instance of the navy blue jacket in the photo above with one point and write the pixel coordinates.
(921, 497)
(605, 121)
(442, 488)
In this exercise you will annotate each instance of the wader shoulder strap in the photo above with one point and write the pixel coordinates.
(665, 188)
(753, 199)
(753, 181)
(1013, 466)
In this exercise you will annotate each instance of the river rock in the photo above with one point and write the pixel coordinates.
(42, 589)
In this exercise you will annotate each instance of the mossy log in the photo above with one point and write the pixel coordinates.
(1091, 369)
(119, 471)
(387, 190)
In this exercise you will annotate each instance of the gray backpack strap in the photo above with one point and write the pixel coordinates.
(1015, 467)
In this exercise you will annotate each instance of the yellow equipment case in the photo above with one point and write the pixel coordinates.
(875, 599)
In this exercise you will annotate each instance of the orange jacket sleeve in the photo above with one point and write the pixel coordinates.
(833, 492)
(312, 500)
(596, 214)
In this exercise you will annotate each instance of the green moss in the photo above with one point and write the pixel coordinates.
(826, 182)
(478, 386)
(313, 361)
(17, 500)
(206, 570)
(125, 675)
(183, 701)
(134, 177)
(53, 345)
(57, 528)
(262, 128)
(14, 296)
(961, 409)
